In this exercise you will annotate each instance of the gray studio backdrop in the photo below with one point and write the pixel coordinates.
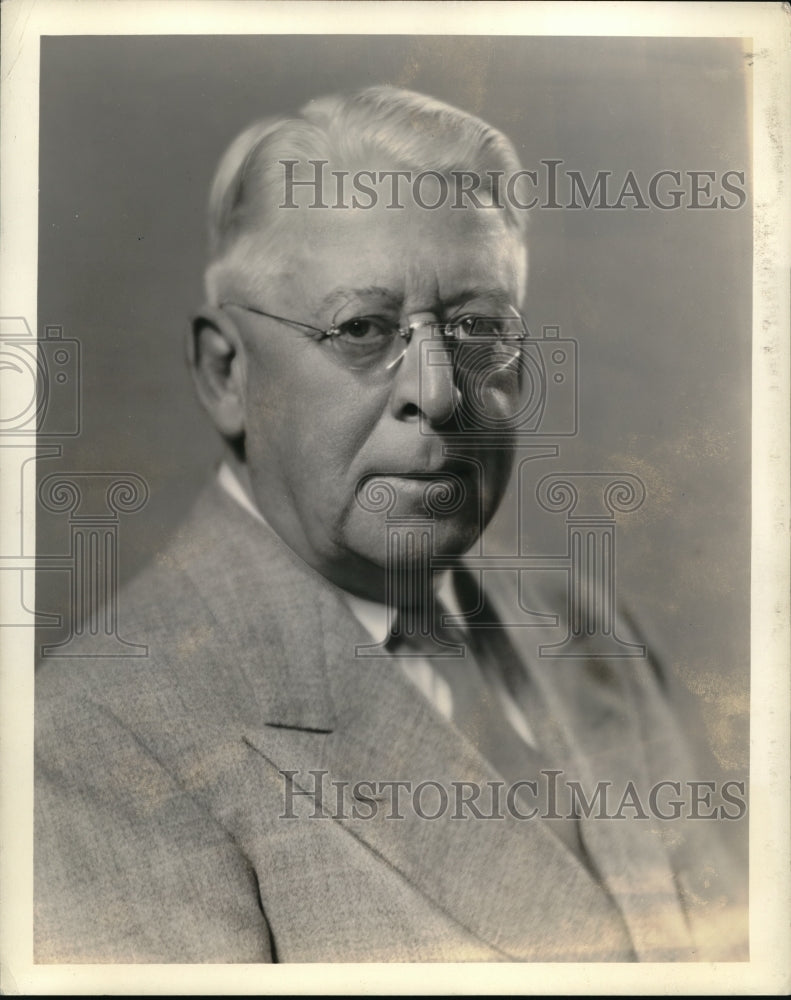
(659, 301)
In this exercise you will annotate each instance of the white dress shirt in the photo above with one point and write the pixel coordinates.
(376, 620)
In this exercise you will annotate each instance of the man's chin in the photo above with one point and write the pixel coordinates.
(386, 541)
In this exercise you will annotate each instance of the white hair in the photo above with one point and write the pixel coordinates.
(402, 128)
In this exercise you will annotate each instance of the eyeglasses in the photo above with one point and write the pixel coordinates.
(377, 345)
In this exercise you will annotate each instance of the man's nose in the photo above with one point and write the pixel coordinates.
(424, 385)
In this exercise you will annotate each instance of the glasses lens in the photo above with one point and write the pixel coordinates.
(481, 346)
(505, 328)
(486, 345)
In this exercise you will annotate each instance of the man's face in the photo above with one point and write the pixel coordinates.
(316, 430)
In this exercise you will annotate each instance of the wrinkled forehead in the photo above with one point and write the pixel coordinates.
(420, 259)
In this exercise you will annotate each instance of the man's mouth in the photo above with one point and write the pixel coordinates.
(438, 491)
(449, 470)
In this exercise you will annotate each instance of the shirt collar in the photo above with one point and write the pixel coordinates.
(229, 481)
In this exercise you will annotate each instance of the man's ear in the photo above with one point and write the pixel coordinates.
(216, 358)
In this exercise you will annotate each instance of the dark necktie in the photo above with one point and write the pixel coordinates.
(479, 715)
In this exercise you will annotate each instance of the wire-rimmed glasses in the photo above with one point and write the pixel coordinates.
(377, 345)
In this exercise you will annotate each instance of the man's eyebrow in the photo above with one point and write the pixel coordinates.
(339, 296)
(498, 294)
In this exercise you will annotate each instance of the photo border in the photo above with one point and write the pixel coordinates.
(769, 27)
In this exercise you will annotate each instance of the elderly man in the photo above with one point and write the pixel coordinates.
(318, 761)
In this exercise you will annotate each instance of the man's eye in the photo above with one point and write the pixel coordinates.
(480, 326)
(364, 330)
(495, 327)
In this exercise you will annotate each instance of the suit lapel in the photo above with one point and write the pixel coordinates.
(506, 881)
(263, 600)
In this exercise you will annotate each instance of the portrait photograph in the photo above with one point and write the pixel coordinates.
(395, 497)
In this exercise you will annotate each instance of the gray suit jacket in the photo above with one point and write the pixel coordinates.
(160, 798)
